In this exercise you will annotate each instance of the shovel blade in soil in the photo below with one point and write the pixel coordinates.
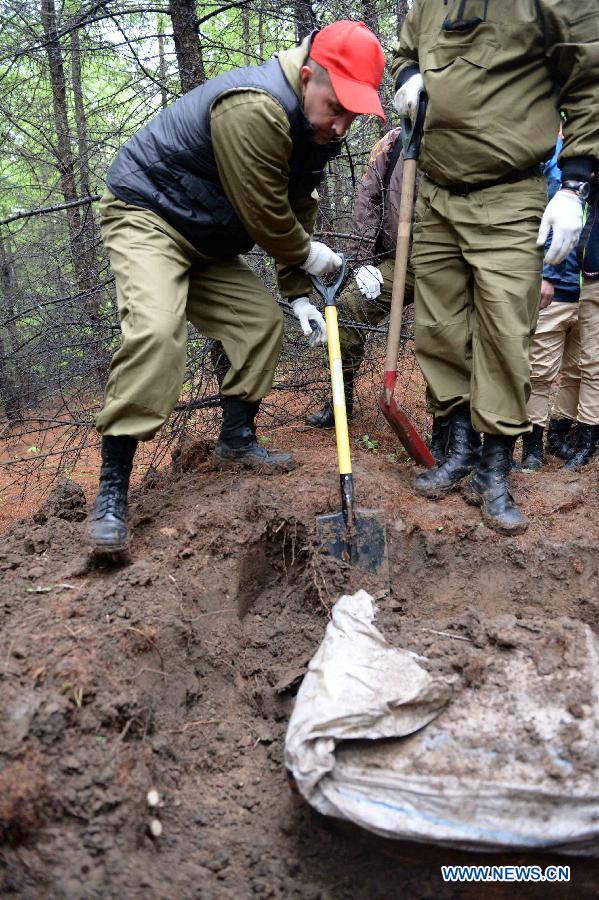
(406, 432)
(364, 546)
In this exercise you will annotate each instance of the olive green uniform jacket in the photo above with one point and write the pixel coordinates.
(497, 74)
(495, 90)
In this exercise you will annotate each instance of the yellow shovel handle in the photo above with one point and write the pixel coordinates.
(335, 365)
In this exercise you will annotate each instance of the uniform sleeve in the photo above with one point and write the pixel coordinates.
(405, 56)
(572, 47)
(293, 282)
(252, 147)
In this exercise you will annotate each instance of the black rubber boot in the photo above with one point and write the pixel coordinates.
(439, 438)
(489, 486)
(463, 445)
(322, 418)
(237, 444)
(584, 446)
(325, 417)
(532, 448)
(558, 437)
(107, 523)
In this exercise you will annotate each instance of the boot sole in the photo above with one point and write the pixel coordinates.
(101, 547)
(490, 522)
(474, 499)
(263, 468)
(438, 493)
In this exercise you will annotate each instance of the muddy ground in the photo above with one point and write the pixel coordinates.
(178, 672)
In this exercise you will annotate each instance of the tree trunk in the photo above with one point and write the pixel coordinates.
(162, 65)
(64, 155)
(261, 34)
(304, 18)
(371, 15)
(9, 395)
(245, 21)
(187, 44)
(402, 8)
(87, 245)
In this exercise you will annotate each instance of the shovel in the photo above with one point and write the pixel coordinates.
(357, 536)
(397, 418)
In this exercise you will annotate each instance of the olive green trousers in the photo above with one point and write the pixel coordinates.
(162, 282)
(354, 307)
(478, 284)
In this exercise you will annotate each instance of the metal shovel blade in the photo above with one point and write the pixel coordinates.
(405, 431)
(363, 546)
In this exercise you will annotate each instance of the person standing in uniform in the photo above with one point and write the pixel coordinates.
(496, 75)
(576, 408)
(231, 163)
(554, 348)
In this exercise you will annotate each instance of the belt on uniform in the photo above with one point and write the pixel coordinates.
(461, 189)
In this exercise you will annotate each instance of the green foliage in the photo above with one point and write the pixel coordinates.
(368, 443)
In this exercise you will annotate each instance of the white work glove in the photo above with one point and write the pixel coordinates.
(369, 281)
(563, 216)
(306, 313)
(406, 98)
(320, 260)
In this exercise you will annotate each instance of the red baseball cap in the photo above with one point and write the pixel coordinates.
(354, 60)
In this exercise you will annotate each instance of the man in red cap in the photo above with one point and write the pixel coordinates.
(232, 163)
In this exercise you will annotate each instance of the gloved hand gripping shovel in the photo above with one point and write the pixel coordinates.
(394, 414)
(355, 536)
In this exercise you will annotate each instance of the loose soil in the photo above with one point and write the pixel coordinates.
(177, 671)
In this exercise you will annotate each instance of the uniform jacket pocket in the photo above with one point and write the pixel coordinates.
(454, 77)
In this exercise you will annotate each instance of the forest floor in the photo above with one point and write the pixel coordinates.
(178, 671)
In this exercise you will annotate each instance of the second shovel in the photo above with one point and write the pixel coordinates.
(397, 418)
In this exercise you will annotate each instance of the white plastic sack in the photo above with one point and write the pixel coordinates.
(509, 764)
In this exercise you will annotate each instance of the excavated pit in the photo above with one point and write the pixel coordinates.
(178, 671)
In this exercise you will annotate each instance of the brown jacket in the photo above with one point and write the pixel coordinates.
(375, 211)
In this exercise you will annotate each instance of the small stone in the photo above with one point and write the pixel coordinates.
(264, 734)
(576, 710)
(153, 797)
(155, 827)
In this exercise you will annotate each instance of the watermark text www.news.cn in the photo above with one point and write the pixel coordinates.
(506, 873)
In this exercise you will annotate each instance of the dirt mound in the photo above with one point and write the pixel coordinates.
(177, 672)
